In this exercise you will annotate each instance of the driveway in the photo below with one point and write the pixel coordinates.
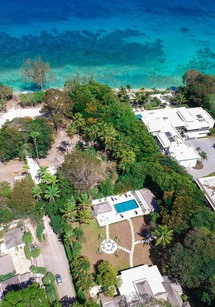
(55, 261)
(206, 145)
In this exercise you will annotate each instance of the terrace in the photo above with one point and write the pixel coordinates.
(113, 209)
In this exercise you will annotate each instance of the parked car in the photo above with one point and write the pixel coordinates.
(58, 279)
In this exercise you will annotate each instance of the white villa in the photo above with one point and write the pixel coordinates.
(173, 126)
(142, 283)
(117, 208)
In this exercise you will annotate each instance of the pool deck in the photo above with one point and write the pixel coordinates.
(106, 213)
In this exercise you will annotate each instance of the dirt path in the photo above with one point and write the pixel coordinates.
(62, 145)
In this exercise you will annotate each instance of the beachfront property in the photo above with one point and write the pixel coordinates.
(173, 126)
(207, 185)
(142, 283)
(117, 208)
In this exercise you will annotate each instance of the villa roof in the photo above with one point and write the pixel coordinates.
(134, 281)
(102, 207)
(149, 198)
(6, 265)
(10, 282)
(13, 238)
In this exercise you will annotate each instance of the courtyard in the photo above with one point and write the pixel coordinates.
(206, 145)
(127, 235)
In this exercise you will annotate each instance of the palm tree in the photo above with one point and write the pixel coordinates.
(46, 177)
(78, 121)
(42, 171)
(25, 169)
(92, 132)
(69, 237)
(180, 98)
(72, 129)
(163, 235)
(51, 193)
(83, 200)
(204, 155)
(49, 179)
(83, 216)
(107, 135)
(127, 159)
(37, 192)
(34, 135)
(69, 210)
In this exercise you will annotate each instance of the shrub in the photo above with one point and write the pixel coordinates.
(35, 252)
(38, 270)
(25, 99)
(27, 251)
(27, 238)
(38, 97)
(40, 232)
(31, 99)
(6, 276)
(51, 293)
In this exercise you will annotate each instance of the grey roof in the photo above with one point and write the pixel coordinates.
(102, 208)
(173, 292)
(149, 198)
(143, 289)
(15, 283)
(13, 238)
(6, 265)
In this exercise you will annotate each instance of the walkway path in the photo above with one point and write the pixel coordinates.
(132, 243)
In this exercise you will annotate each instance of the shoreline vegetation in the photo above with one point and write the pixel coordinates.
(113, 153)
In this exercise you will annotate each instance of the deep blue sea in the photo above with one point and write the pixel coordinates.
(144, 43)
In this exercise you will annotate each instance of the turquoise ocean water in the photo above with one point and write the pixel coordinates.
(142, 43)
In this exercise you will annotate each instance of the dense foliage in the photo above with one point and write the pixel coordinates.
(200, 90)
(21, 200)
(16, 138)
(58, 106)
(106, 277)
(110, 132)
(32, 296)
(6, 93)
(31, 99)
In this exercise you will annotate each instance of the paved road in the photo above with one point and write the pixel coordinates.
(55, 261)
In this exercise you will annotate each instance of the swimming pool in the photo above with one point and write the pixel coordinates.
(126, 206)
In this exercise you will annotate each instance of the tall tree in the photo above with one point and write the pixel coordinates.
(35, 71)
(82, 170)
(192, 263)
(106, 277)
(58, 105)
(21, 199)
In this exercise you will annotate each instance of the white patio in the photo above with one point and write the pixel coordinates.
(106, 213)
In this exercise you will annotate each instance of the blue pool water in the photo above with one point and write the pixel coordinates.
(138, 42)
(139, 116)
(126, 206)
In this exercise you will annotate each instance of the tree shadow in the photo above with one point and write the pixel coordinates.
(67, 301)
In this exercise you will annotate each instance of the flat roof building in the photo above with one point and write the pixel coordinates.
(172, 126)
